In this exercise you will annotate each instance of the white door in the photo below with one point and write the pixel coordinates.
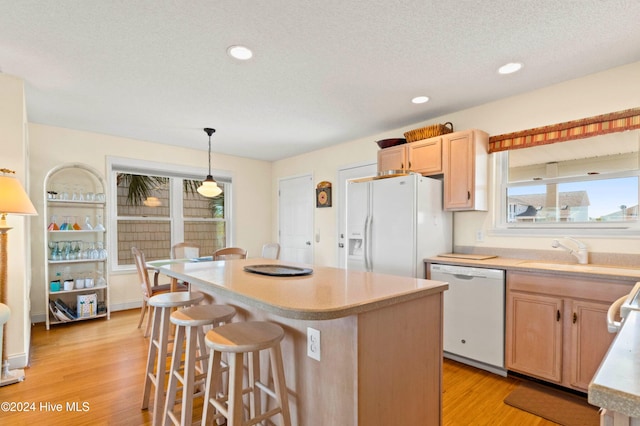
(295, 223)
(345, 174)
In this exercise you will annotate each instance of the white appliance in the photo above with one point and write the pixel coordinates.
(474, 308)
(394, 223)
(624, 305)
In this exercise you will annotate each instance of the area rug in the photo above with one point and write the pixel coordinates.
(555, 405)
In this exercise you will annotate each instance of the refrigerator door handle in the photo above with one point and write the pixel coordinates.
(369, 244)
(366, 243)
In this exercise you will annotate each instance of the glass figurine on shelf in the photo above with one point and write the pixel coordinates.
(99, 226)
(65, 224)
(101, 250)
(100, 281)
(53, 225)
(87, 224)
(55, 252)
(76, 225)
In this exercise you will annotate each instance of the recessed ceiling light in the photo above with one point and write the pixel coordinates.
(420, 99)
(509, 68)
(241, 53)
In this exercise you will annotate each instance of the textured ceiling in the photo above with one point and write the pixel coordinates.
(323, 72)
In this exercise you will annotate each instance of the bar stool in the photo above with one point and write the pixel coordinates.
(235, 340)
(162, 305)
(190, 321)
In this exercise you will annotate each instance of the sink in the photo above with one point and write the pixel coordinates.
(587, 269)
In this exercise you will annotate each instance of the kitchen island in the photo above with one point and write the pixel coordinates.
(380, 338)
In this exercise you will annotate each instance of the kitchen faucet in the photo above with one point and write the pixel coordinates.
(581, 253)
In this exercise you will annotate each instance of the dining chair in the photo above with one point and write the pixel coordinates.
(271, 251)
(230, 253)
(185, 250)
(147, 289)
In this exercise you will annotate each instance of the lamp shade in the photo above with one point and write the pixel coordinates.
(209, 188)
(13, 198)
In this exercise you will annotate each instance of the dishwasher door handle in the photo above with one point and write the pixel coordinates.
(468, 277)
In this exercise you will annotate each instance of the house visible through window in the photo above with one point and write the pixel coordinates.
(156, 210)
(587, 182)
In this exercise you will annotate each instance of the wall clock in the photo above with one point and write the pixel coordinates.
(323, 194)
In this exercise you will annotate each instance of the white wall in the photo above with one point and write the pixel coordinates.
(601, 93)
(14, 157)
(52, 146)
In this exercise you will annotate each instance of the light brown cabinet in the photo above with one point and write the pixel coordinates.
(465, 161)
(556, 327)
(424, 157)
(394, 158)
(460, 157)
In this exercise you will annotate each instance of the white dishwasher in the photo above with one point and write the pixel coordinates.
(473, 315)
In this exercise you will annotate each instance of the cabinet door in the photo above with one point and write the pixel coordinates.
(459, 169)
(394, 158)
(534, 335)
(590, 340)
(425, 156)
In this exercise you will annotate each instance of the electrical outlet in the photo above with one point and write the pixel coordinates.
(313, 343)
(479, 236)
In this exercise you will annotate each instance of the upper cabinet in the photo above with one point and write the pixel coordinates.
(460, 158)
(424, 157)
(465, 170)
(394, 158)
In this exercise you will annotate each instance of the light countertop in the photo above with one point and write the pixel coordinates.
(326, 294)
(616, 385)
(610, 272)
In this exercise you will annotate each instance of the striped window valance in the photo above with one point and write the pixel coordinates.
(578, 129)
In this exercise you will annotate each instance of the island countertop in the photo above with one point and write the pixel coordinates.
(327, 293)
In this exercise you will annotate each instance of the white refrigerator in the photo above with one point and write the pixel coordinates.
(394, 223)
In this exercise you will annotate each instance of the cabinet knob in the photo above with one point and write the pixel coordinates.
(558, 315)
(468, 195)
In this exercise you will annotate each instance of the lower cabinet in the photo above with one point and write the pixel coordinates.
(556, 328)
(534, 335)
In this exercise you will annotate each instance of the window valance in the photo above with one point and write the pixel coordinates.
(599, 125)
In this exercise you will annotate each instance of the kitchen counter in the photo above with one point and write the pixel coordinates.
(609, 272)
(616, 385)
(365, 320)
(326, 294)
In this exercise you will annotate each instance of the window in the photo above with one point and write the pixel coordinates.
(581, 184)
(156, 206)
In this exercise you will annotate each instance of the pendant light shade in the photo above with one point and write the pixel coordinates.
(209, 187)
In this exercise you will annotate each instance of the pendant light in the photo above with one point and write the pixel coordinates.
(209, 187)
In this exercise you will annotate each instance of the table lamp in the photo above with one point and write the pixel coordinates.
(13, 200)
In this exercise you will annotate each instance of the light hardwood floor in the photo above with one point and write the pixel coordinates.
(99, 366)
